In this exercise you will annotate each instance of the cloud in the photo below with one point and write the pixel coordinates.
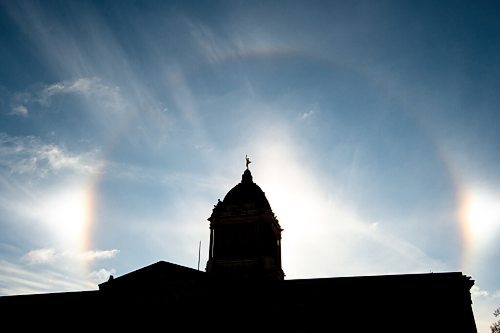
(478, 292)
(216, 50)
(49, 255)
(484, 303)
(306, 115)
(112, 111)
(217, 47)
(28, 155)
(20, 279)
(40, 256)
(110, 96)
(84, 86)
(19, 110)
(101, 275)
(97, 255)
(51, 270)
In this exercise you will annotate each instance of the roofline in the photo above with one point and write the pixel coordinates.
(390, 277)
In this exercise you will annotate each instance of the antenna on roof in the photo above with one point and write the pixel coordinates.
(199, 251)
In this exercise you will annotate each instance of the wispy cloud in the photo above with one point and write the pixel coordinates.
(97, 255)
(109, 96)
(83, 85)
(311, 110)
(28, 155)
(216, 47)
(95, 89)
(19, 110)
(213, 48)
(49, 255)
(52, 270)
(21, 279)
(183, 97)
(40, 256)
(112, 111)
(306, 115)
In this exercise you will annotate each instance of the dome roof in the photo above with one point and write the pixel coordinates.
(245, 195)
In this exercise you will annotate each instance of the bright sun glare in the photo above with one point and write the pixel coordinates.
(67, 215)
(481, 215)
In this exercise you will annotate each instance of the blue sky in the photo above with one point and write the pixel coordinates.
(373, 128)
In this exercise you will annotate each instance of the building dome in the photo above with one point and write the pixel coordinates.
(246, 195)
(245, 235)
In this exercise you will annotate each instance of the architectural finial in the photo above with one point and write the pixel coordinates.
(247, 160)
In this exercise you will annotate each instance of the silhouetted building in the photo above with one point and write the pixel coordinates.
(244, 290)
(245, 235)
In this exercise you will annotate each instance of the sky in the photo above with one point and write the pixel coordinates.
(373, 127)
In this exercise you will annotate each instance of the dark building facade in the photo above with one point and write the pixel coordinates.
(245, 235)
(243, 289)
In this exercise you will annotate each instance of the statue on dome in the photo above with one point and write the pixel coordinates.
(247, 161)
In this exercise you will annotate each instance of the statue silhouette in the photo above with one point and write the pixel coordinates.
(247, 160)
